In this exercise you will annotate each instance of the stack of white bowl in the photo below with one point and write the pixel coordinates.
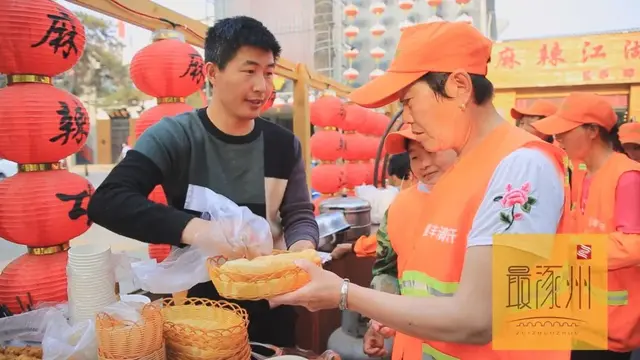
(91, 281)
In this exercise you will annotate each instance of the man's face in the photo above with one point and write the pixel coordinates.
(632, 150)
(429, 166)
(525, 124)
(246, 82)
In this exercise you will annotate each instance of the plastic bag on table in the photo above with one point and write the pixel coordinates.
(380, 199)
(63, 342)
(125, 311)
(184, 268)
(29, 327)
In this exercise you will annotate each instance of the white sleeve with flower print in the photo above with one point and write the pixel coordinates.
(525, 196)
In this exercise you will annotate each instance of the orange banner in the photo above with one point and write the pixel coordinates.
(584, 60)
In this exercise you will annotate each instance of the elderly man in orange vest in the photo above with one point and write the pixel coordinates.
(506, 181)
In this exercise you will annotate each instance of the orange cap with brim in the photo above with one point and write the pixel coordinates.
(630, 133)
(542, 108)
(433, 47)
(394, 143)
(578, 109)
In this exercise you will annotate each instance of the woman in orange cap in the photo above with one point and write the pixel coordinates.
(630, 139)
(539, 110)
(504, 181)
(585, 126)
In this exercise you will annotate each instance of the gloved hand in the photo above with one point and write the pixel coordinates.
(235, 235)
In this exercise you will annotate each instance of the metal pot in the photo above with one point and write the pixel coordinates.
(357, 212)
(330, 224)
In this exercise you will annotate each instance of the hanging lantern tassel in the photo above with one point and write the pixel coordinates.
(351, 11)
(351, 74)
(377, 54)
(462, 3)
(351, 55)
(378, 8)
(434, 4)
(406, 5)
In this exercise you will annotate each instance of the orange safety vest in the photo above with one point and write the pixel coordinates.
(624, 284)
(442, 239)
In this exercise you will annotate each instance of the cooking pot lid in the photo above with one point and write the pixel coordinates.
(349, 203)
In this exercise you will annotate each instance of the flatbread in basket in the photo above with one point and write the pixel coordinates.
(262, 277)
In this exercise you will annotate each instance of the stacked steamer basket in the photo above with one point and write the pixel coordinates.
(140, 340)
(202, 329)
(233, 283)
(91, 281)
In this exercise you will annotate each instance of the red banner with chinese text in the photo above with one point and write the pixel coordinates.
(584, 60)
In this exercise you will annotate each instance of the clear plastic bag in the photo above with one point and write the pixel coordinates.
(380, 199)
(231, 225)
(63, 342)
(28, 327)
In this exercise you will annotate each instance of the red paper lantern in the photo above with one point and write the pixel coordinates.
(327, 111)
(356, 174)
(326, 145)
(152, 115)
(40, 123)
(167, 68)
(376, 124)
(327, 178)
(44, 208)
(354, 117)
(39, 37)
(371, 166)
(43, 277)
(354, 145)
(434, 3)
(318, 201)
(463, 2)
(370, 147)
(351, 11)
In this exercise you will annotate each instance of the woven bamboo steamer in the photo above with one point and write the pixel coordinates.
(242, 286)
(159, 354)
(181, 326)
(119, 339)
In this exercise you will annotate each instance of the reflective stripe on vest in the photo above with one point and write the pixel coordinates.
(614, 298)
(430, 353)
(415, 283)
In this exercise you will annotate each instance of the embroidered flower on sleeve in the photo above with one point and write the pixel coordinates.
(511, 198)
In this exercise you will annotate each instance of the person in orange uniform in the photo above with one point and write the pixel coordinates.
(586, 127)
(445, 311)
(525, 117)
(630, 139)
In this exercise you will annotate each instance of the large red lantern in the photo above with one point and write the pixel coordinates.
(327, 178)
(44, 208)
(39, 37)
(327, 111)
(40, 123)
(167, 68)
(326, 145)
(269, 103)
(355, 116)
(356, 174)
(34, 279)
(152, 115)
(354, 145)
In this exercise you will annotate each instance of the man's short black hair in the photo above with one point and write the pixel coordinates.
(482, 87)
(228, 35)
(400, 166)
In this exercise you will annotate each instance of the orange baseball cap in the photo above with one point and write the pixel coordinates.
(440, 47)
(542, 108)
(630, 133)
(578, 109)
(394, 143)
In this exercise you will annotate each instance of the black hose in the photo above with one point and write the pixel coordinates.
(381, 147)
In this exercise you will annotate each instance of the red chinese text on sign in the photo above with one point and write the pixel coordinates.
(552, 56)
(507, 58)
(592, 51)
(629, 72)
(631, 49)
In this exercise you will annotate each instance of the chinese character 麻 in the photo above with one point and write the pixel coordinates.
(194, 69)
(507, 58)
(60, 35)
